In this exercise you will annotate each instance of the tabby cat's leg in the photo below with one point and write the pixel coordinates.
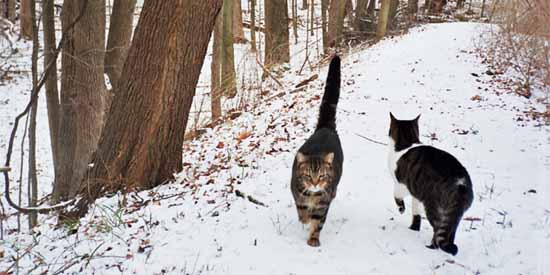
(303, 215)
(415, 225)
(317, 221)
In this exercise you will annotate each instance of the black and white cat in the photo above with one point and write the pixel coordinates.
(433, 177)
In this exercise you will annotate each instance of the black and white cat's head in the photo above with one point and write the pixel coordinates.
(315, 172)
(403, 133)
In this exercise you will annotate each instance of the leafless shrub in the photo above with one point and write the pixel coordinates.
(521, 43)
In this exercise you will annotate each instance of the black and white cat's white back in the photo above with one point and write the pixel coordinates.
(433, 178)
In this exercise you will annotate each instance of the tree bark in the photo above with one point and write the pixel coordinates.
(392, 21)
(238, 31)
(460, 4)
(305, 5)
(141, 144)
(215, 70)
(120, 34)
(82, 93)
(383, 19)
(412, 9)
(253, 25)
(361, 15)
(11, 10)
(26, 19)
(294, 8)
(229, 79)
(276, 33)
(52, 93)
(32, 178)
(324, 24)
(337, 12)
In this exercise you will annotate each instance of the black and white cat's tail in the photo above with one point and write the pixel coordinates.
(327, 112)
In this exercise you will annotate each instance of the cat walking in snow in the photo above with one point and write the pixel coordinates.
(433, 178)
(317, 167)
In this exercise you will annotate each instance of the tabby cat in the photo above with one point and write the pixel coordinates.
(317, 167)
(433, 177)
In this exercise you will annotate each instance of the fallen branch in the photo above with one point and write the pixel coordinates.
(241, 194)
(267, 72)
(371, 140)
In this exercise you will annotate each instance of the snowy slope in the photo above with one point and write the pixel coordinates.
(195, 226)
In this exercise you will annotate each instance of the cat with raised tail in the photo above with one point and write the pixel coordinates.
(317, 166)
(434, 178)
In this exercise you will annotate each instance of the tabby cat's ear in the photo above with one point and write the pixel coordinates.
(328, 158)
(301, 157)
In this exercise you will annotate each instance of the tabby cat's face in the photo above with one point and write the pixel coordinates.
(404, 130)
(315, 172)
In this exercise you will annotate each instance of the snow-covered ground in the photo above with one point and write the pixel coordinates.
(199, 226)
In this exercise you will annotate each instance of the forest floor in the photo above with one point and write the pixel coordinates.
(204, 223)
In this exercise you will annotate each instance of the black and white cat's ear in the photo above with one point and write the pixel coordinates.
(301, 157)
(328, 158)
(392, 117)
(417, 118)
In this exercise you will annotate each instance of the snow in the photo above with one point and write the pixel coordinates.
(197, 226)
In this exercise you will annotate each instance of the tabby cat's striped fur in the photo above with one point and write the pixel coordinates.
(318, 164)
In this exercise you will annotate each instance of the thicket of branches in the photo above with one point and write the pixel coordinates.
(521, 44)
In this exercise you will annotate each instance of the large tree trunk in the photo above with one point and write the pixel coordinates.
(238, 31)
(25, 19)
(82, 93)
(52, 93)
(276, 32)
(229, 79)
(383, 18)
(337, 12)
(141, 144)
(215, 70)
(120, 33)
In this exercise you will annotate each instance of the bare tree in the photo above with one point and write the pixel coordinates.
(412, 8)
(253, 25)
(294, 8)
(277, 49)
(32, 178)
(82, 93)
(52, 93)
(383, 19)
(361, 15)
(324, 24)
(215, 70)
(11, 10)
(120, 33)
(337, 12)
(26, 19)
(156, 87)
(238, 31)
(229, 79)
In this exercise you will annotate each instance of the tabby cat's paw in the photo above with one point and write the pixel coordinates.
(313, 242)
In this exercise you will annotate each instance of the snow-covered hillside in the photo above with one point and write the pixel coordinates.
(199, 225)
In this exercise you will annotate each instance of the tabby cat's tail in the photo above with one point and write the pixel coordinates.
(327, 113)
